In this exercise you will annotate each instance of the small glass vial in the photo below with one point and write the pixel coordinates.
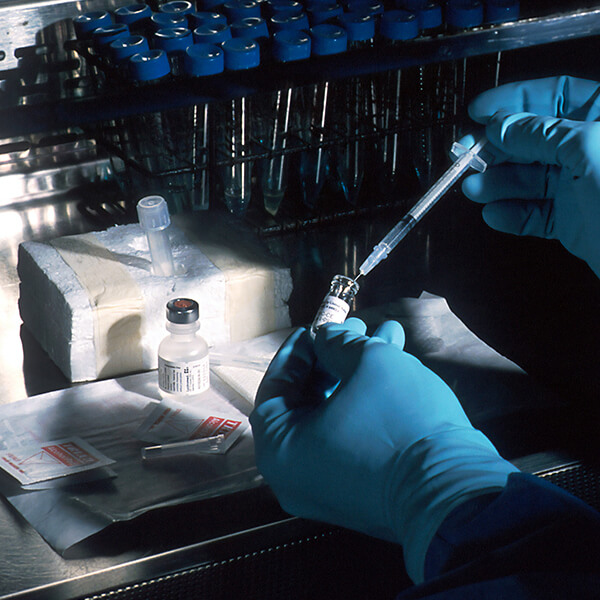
(183, 365)
(336, 304)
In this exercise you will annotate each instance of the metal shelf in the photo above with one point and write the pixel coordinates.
(55, 110)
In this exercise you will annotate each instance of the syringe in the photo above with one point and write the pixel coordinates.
(465, 158)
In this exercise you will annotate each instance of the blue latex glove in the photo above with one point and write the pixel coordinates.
(389, 452)
(550, 187)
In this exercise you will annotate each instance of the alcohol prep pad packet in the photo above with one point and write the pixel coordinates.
(172, 421)
(42, 461)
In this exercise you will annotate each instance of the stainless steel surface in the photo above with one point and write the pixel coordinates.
(24, 23)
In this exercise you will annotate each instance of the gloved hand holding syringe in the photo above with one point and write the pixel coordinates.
(336, 304)
(465, 158)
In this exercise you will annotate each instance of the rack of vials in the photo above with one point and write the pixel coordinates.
(290, 153)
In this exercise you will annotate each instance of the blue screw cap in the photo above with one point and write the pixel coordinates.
(279, 7)
(430, 16)
(240, 9)
(328, 39)
(290, 45)
(199, 18)
(161, 20)
(241, 54)
(365, 7)
(464, 14)
(103, 36)
(397, 25)
(293, 22)
(123, 48)
(323, 12)
(201, 60)
(177, 7)
(173, 39)
(212, 34)
(132, 13)
(250, 27)
(501, 11)
(86, 23)
(149, 65)
(360, 27)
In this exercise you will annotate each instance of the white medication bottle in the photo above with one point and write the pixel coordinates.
(336, 304)
(183, 364)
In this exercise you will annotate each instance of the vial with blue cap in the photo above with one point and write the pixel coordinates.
(135, 16)
(463, 15)
(234, 135)
(161, 20)
(198, 18)
(327, 39)
(354, 112)
(214, 33)
(274, 116)
(122, 49)
(240, 9)
(177, 8)
(323, 11)
(103, 36)
(201, 60)
(86, 23)
(285, 21)
(174, 41)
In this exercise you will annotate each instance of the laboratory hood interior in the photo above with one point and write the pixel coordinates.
(301, 162)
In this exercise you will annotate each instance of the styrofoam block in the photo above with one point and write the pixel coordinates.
(55, 306)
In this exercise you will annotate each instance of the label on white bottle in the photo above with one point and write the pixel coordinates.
(184, 378)
(332, 310)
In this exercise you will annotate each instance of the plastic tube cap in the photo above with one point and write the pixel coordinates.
(241, 54)
(359, 26)
(173, 39)
(365, 7)
(199, 18)
(149, 65)
(123, 48)
(203, 59)
(429, 16)
(161, 20)
(86, 23)
(501, 11)
(212, 34)
(290, 45)
(399, 25)
(250, 27)
(153, 213)
(464, 14)
(177, 7)
(284, 21)
(322, 12)
(240, 9)
(328, 39)
(103, 36)
(279, 7)
(132, 13)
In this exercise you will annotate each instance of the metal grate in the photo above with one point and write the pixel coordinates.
(334, 564)
(580, 480)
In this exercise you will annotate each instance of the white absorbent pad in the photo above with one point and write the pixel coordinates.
(95, 307)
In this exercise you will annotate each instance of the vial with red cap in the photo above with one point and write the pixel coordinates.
(183, 363)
